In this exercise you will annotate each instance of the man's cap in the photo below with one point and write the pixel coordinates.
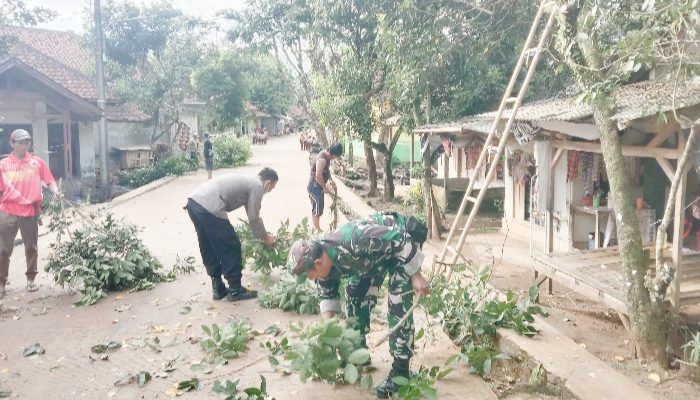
(301, 256)
(20, 134)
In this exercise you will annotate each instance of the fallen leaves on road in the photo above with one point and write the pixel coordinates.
(102, 348)
(33, 349)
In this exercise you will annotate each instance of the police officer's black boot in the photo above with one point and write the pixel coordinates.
(388, 387)
(218, 288)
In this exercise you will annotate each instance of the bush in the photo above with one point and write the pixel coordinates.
(263, 259)
(231, 151)
(173, 166)
(471, 313)
(101, 256)
(292, 294)
(329, 350)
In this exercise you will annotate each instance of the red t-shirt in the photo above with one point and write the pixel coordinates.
(21, 183)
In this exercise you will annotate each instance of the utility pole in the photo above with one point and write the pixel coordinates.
(101, 103)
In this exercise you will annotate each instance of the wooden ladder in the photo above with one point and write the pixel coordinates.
(553, 10)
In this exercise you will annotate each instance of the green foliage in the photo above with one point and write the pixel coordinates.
(329, 350)
(231, 151)
(231, 391)
(227, 342)
(222, 83)
(172, 166)
(420, 385)
(133, 32)
(292, 294)
(471, 313)
(33, 349)
(691, 351)
(263, 259)
(100, 255)
(17, 12)
(416, 200)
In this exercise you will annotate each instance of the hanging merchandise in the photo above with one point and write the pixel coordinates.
(596, 166)
(587, 171)
(473, 153)
(572, 158)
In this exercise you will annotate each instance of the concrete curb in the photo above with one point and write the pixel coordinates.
(583, 374)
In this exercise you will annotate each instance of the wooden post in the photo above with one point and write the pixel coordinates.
(677, 250)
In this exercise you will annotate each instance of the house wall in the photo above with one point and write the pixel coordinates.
(88, 145)
(127, 134)
(26, 108)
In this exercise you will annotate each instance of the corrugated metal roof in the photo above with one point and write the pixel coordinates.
(634, 101)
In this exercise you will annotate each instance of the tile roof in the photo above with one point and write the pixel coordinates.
(125, 112)
(634, 101)
(60, 57)
(56, 55)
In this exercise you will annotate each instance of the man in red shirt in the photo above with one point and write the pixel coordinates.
(21, 176)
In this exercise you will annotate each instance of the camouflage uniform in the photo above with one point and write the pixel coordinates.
(365, 252)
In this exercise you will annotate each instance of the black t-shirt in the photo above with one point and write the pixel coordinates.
(208, 151)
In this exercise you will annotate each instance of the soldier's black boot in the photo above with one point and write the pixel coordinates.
(218, 288)
(388, 387)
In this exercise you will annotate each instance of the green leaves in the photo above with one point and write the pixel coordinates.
(289, 294)
(103, 348)
(231, 151)
(359, 356)
(471, 312)
(228, 342)
(230, 390)
(33, 349)
(100, 255)
(330, 350)
(189, 385)
(263, 259)
(421, 385)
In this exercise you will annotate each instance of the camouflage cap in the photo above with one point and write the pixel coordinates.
(301, 256)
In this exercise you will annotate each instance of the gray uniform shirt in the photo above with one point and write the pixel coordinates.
(229, 192)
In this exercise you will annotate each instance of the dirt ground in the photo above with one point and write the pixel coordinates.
(67, 332)
(594, 327)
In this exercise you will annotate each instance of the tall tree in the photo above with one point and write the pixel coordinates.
(286, 29)
(221, 82)
(151, 52)
(607, 44)
(446, 60)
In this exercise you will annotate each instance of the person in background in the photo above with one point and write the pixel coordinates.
(22, 174)
(208, 155)
(319, 179)
(208, 207)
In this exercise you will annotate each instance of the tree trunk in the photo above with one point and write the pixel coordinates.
(647, 318)
(385, 140)
(371, 169)
(351, 152)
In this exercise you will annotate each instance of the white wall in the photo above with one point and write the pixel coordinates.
(126, 134)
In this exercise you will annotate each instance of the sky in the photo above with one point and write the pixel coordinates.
(71, 12)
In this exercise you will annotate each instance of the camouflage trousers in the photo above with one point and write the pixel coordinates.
(361, 297)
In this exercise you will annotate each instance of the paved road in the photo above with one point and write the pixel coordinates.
(67, 332)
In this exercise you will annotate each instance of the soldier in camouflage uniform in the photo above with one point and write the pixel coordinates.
(366, 252)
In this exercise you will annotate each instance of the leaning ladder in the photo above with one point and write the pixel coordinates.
(546, 7)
